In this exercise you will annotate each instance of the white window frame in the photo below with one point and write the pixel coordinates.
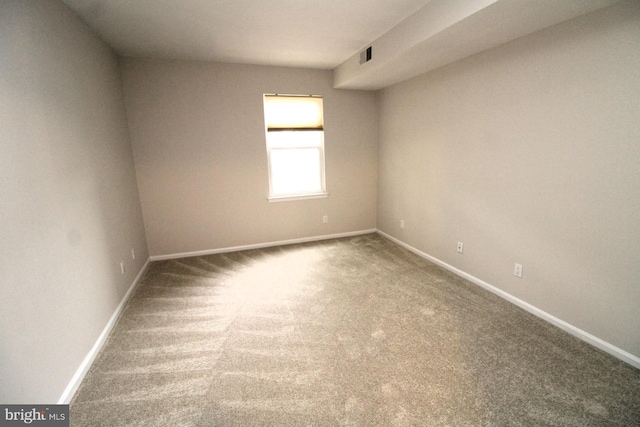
(274, 126)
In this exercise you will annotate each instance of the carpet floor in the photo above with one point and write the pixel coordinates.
(346, 332)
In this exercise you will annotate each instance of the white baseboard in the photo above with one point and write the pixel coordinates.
(77, 378)
(259, 245)
(567, 327)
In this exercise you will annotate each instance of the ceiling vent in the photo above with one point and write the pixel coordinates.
(365, 55)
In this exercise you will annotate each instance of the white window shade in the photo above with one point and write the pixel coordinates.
(283, 113)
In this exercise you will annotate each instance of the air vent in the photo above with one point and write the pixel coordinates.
(365, 55)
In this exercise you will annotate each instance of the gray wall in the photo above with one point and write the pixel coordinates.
(197, 131)
(69, 208)
(528, 153)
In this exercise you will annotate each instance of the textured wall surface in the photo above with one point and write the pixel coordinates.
(528, 153)
(198, 137)
(69, 210)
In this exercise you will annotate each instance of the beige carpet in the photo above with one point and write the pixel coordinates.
(347, 332)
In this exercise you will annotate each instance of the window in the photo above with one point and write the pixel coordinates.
(295, 146)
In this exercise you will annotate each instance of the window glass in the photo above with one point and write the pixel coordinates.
(295, 146)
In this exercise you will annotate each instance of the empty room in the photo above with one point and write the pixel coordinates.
(303, 213)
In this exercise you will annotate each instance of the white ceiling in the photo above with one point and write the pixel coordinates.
(292, 33)
(408, 37)
(445, 31)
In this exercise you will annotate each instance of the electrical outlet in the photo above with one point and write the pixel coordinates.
(517, 270)
(325, 219)
(402, 223)
(460, 247)
(122, 266)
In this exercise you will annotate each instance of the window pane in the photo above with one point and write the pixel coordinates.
(295, 145)
(291, 139)
(295, 171)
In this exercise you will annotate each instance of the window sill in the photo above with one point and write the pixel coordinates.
(297, 197)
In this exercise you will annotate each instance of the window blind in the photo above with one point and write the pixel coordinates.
(293, 113)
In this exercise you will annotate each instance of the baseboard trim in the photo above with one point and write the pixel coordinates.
(567, 327)
(77, 378)
(260, 245)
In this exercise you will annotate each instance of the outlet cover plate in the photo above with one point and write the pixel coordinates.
(517, 270)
